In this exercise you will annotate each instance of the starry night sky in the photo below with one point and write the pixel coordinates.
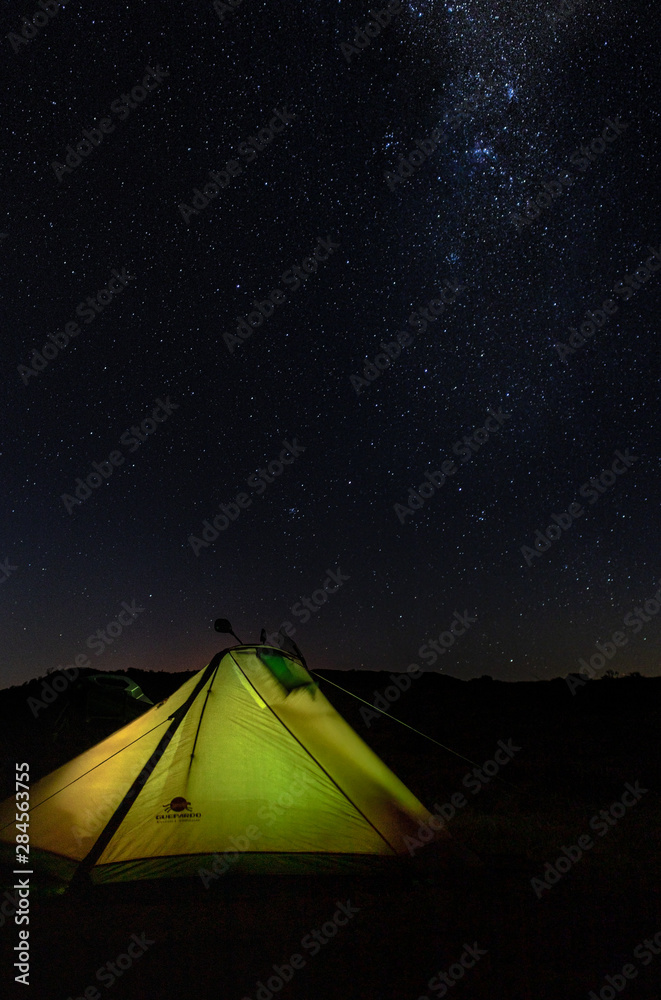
(516, 97)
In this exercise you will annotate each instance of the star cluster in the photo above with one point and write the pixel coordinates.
(513, 93)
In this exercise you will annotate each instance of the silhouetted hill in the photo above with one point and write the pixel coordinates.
(574, 746)
(570, 758)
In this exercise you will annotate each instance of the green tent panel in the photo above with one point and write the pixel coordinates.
(247, 756)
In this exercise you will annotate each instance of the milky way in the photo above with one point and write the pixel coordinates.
(511, 92)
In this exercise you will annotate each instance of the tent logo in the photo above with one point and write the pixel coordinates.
(178, 808)
(177, 805)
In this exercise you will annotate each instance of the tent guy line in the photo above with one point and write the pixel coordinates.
(80, 776)
(314, 673)
(247, 720)
(395, 719)
(318, 763)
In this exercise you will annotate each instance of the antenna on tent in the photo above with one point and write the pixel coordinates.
(222, 625)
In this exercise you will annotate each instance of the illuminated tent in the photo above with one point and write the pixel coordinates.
(246, 767)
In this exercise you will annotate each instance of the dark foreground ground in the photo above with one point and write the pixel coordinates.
(577, 754)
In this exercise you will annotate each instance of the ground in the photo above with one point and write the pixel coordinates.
(574, 756)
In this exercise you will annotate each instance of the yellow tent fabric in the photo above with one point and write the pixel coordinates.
(247, 756)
